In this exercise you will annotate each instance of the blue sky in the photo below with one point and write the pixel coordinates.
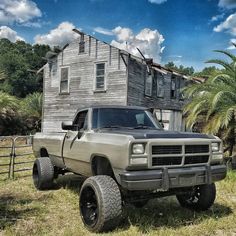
(183, 31)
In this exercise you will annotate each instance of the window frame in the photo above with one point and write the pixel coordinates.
(95, 89)
(82, 44)
(181, 86)
(163, 85)
(68, 87)
(173, 78)
(145, 90)
(54, 68)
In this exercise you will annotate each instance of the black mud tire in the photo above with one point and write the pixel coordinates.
(100, 204)
(140, 204)
(43, 173)
(201, 199)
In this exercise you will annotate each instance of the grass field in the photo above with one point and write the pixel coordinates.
(25, 211)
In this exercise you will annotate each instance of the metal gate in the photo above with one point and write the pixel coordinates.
(15, 154)
(22, 150)
(6, 151)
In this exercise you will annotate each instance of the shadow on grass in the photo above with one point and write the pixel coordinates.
(13, 208)
(163, 212)
(166, 212)
(70, 181)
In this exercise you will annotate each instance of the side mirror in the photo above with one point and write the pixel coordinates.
(161, 123)
(80, 133)
(67, 125)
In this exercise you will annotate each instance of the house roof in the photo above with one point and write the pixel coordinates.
(148, 61)
(200, 79)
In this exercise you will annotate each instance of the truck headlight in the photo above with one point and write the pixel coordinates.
(138, 148)
(215, 147)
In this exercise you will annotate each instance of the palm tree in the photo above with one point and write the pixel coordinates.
(214, 102)
(7, 102)
(31, 107)
(2, 75)
(8, 113)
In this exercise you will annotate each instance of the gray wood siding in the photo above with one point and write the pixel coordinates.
(61, 107)
(123, 86)
(137, 73)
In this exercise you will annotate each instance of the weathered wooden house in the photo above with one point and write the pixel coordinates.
(91, 72)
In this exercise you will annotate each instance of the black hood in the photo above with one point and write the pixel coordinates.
(149, 134)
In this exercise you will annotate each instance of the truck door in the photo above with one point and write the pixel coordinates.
(74, 151)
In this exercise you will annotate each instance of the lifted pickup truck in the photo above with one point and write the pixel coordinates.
(128, 157)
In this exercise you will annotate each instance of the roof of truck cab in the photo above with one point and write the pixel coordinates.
(114, 107)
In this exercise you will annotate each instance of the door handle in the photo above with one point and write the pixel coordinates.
(67, 136)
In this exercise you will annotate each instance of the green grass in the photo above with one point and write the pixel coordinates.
(26, 211)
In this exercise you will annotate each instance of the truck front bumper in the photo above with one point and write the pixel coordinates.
(168, 178)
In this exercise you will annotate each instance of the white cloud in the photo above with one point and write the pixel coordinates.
(229, 25)
(59, 36)
(18, 11)
(157, 1)
(175, 56)
(6, 32)
(103, 31)
(36, 24)
(228, 4)
(147, 40)
(33, 24)
(123, 34)
(217, 17)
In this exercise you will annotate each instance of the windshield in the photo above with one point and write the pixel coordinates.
(119, 117)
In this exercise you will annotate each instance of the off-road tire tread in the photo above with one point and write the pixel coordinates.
(109, 199)
(45, 173)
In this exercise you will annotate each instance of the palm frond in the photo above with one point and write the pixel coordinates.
(32, 105)
(225, 64)
(8, 102)
(233, 58)
(2, 75)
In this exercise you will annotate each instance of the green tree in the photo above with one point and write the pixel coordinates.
(20, 116)
(207, 72)
(7, 102)
(213, 103)
(31, 108)
(2, 76)
(9, 117)
(181, 69)
(19, 61)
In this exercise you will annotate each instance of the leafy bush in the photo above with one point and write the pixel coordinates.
(20, 116)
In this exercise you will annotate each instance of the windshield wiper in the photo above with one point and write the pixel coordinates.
(143, 127)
